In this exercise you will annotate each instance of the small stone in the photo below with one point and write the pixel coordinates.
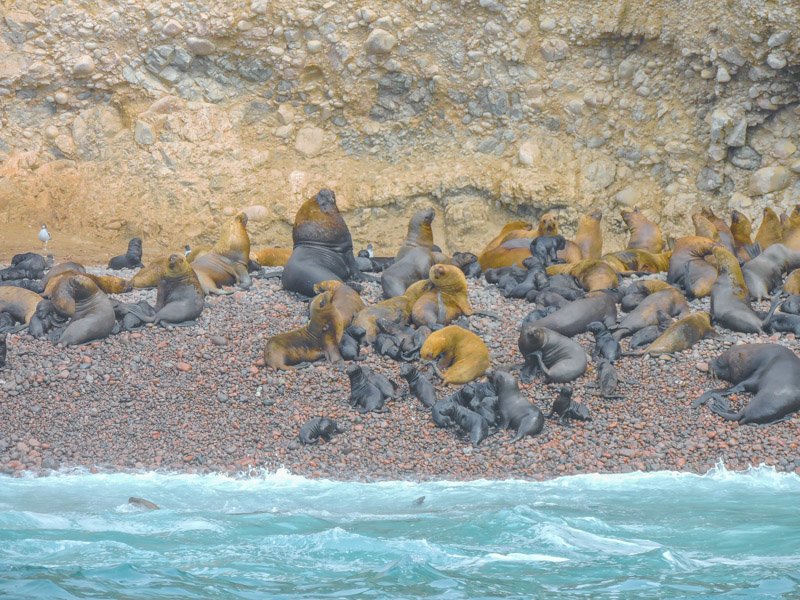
(547, 23)
(783, 148)
(778, 39)
(628, 196)
(259, 6)
(172, 28)
(51, 131)
(740, 201)
(83, 67)
(554, 49)
(769, 179)
(702, 366)
(737, 137)
(776, 60)
(309, 141)
(184, 367)
(61, 98)
(314, 46)
(218, 340)
(380, 41)
(143, 133)
(795, 166)
(200, 46)
(708, 180)
(528, 153)
(745, 158)
(257, 212)
(524, 26)
(723, 76)
(284, 131)
(285, 114)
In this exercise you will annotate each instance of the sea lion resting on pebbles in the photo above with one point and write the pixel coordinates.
(469, 421)
(271, 257)
(669, 300)
(574, 318)
(414, 258)
(227, 262)
(91, 310)
(369, 391)
(19, 303)
(681, 335)
(462, 352)
(567, 408)
(110, 284)
(644, 234)
(318, 427)
(418, 385)
(132, 259)
(763, 274)
(769, 371)
(444, 299)
(515, 411)
(346, 300)
(730, 301)
(180, 296)
(560, 358)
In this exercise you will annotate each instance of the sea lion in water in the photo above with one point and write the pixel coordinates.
(317, 339)
(463, 353)
(763, 274)
(644, 234)
(322, 246)
(132, 259)
(92, 312)
(445, 301)
(559, 358)
(227, 262)
(589, 236)
(769, 371)
(730, 300)
(19, 303)
(681, 335)
(515, 411)
(769, 231)
(574, 318)
(318, 427)
(180, 296)
(414, 258)
(271, 257)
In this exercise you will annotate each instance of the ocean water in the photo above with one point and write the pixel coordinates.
(656, 535)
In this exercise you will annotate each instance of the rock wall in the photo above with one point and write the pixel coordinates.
(159, 118)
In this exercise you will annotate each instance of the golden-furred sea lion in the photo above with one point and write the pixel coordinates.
(770, 230)
(792, 283)
(461, 352)
(638, 261)
(591, 274)
(19, 302)
(692, 265)
(589, 237)
(271, 257)
(446, 301)
(180, 296)
(92, 315)
(681, 335)
(704, 228)
(226, 263)
(346, 300)
(725, 234)
(644, 234)
(507, 229)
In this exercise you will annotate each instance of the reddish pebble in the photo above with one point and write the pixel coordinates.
(182, 366)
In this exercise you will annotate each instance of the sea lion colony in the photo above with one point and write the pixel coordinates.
(425, 316)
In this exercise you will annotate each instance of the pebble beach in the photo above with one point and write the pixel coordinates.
(198, 399)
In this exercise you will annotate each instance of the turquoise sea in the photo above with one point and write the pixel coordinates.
(655, 535)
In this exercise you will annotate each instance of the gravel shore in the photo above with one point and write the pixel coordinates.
(198, 399)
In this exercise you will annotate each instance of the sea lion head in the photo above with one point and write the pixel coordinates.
(448, 277)
(135, 246)
(737, 217)
(462, 259)
(406, 370)
(502, 381)
(595, 327)
(241, 218)
(44, 309)
(82, 287)
(329, 285)
(532, 338)
(548, 224)
(596, 215)
(234, 243)
(326, 200)
(721, 367)
(177, 265)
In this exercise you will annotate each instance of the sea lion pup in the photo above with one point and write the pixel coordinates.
(634, 293)
(91, 310)
(44, 320)
(414, 258)
(273, 256)
(589, 237)
(574, 318)
(545, 249)
(648, 335)
(368, 390)
(607, 380)
(346, 300)
(723, 231)
(317, 339)
(559, 358)
(730, 299)
(19, 303)
(396, 309)
(690, 265)
(637, 261)
(468, 263)
(418, 385)
(515, 411)
(644, 234)
(468, 420)
(681, 335)
(536, 279)
(27, 265)
(322, 246)
(445, 301)
(769, 231)
(769, 371)
(318, 427)
(132, 259)
(180, 296)
(3, 349)
(460, 351)
(670, 301)
(226, 263)
(606, 347)
(764, 273)
(567, 408)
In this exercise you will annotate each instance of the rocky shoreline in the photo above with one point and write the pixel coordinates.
(198, 399)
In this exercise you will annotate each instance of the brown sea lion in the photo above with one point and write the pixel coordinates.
(346, 300)
(704, 228)
(574, 318)
(558, 357)
(742, 231)
(638, 261)
(730, 299)
(724, 232)
(633, 294)
(19, 303)
(180, 296)
(507, 229)
(592, 275)
(414, 258)
(589, 237)
(197, 252)
(226, 263)
(644, 234)
(460, 351)
(446, 301)
(769, 371)
(322, 246)
(681, 335)
(271, 257)
(317, 339)
(150, 275)
(507, 254)
(669, 301)
(691, 265)
(91, 310)
(791, 232)
(792, 283)
(395, 309)
(110, 284)
(769, 231)
(764, 273)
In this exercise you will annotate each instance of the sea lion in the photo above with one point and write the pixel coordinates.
(504, 232)
(764, 273)
(92, 312)
(350, 344)
(775, 321)
(318, 427)
(567, 408)
(681, 335)
(414, 258)
(19, 303)
(769, 371)
(574, 318)
(704, 228)
(723, 231)
(644, 234)
(45, 319)
(559, 358)
(510, 252)
(536, 279)
(637, 261)
(690, 265)
(647, 335)
(110, 284)
(769, 231)
(593, 275)
(346, 300)
(180, 295)
(394, 309)
(418, 385)
(792, 283)
(463, 353)
(469, 421)
(132, 259)
(468, 263)
(142, 503)
(149, 275)
(27, 265)
(318, 339)
(3, 349)
(670, 301)
(445, 301)
(227, 262)
(271, 257)
(634, 293)
(607, 380)
(742, 231)
(322, 246)
(730, 299)
(515, 411)
(791, 231)
(545, 248)
(605, 345)
(589, 237)
(369, 391)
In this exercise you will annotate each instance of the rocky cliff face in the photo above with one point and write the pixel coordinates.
(159, 118)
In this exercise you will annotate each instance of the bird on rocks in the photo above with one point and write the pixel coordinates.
(44, 236)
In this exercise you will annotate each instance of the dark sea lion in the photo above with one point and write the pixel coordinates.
(468, 263)
(227, 262)
(132, 259)
(791, 305)
(414, 258)
(271, 257)
(559, 358)
(19, 303)
(27, 265)
(633, 294)
(644, 234)
(366, 394)
(769, 371)
(515, 411)
(318, 427)
(574, 318)
(730, 300)
(681, 335)
(469, 421)
(463, 353)
(764, 273)
(567, 408)
(545, 248)
(607, 380)
(605, 345)
(142, 503)
(322, 246)
(93, 314)
(589, 236)
(769, 231)
(445, 301)
(535, 279)
(180, 295)
(395, 309)
(775, 321)
(440, 419)
(3, 349)
(648, 335)
(418, 385)
(669, 300)
(690, 265)
(318, 339)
